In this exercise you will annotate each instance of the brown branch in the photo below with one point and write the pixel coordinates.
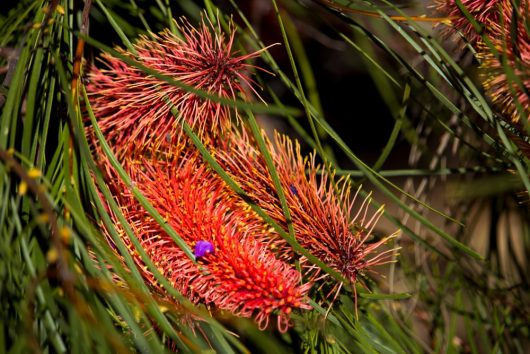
(80, 50)
(12, 55)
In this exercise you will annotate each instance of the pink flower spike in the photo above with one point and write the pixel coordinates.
(486, 12)
(321, 208)
(513, 53)
(131, 107)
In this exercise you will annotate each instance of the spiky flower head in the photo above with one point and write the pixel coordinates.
(512, 46)
(234, 272)
(486, 12)
(131, 105)
(326, 220)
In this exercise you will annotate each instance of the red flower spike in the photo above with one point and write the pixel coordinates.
(322, 218)
(130, 105)
(240, 275)
(516, 51)
(485, 12)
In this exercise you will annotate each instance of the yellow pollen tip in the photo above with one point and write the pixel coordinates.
(34, 172)
(65, 234)
(43, 218)
(22, 188)
(52, 255)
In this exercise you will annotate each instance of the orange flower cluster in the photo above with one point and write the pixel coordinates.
(236, 272)
(241, 264)
(506, 68)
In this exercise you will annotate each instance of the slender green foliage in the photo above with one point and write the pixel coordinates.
(68, 281)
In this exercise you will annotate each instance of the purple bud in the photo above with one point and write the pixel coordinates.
(203, 248)
(293, 189)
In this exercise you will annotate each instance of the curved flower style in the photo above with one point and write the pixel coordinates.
(513, 52)
(485, 12)
(320, 208)
(131, 104)
(234, 271)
